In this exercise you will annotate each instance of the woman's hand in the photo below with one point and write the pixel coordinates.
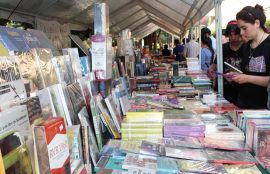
(241, 78)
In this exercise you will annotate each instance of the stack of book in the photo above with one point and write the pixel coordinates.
(202, 83)
(179, 125)
(142, 126)
(147, 83)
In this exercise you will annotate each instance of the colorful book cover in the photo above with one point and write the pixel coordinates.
(103, 160)
(3, 50)
(75, 61)
(131, 146)
(191, 142)
(96, 122)
(75, 146)
(261, 141)
(230, 157)
(51, 147)
(106, 117)
(167, 165)
(144, 116)
(110, 171)
(33, 109)
(150, 148)
(16, 142)
(85, 122)
(134, 170)
(112, 152)
(186, 153)
(11, 82)
(200, 167)
(115, 163)
(43, 57)
(140, 162)
(113, 111)
(83, 82)
(31, 73)
(84, 65)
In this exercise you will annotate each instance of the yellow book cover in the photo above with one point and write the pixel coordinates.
(3, 50)
(2, 168)
(145, 116)
(111, 126)
(131, 146)
(131, 125)
(142, 131)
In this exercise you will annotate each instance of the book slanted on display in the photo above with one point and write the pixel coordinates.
(16, 140)
(140, 162)
(51, 147)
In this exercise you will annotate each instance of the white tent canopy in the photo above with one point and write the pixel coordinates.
(173, 16)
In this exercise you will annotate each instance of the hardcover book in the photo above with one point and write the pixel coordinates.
(51, 147)
(113, 111)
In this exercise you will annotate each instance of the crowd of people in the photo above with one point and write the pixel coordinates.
(247, 50)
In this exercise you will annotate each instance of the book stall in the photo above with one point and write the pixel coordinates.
(65, 114)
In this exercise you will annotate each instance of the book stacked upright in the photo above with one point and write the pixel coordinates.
(142, 126)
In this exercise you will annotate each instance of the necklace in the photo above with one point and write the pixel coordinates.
(252, 50)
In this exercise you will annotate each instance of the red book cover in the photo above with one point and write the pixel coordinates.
(52, 149)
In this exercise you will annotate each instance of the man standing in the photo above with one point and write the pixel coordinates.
(192, 48)
(178, 51)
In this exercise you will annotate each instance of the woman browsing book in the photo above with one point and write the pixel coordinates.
(255, 64)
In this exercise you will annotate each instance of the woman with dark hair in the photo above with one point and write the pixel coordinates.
(256, 54)
(207, 52)
(232, 54)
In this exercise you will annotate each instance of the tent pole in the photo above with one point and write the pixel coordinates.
(219, 44)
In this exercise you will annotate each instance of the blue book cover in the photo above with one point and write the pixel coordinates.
(84, 65)
(125, 85)
(167, 165)
(115, 163)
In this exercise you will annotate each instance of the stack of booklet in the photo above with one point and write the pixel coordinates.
(142, 126)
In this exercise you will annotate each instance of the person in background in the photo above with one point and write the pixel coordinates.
(256, 59)
(192, 48)
(232, 54)
(166, 51)
(207, 52)
(206, 32)
(178, 51)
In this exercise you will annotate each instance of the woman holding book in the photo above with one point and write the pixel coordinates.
(256, 59)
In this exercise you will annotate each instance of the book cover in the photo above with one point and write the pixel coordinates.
(83, 82)
(16, 142)
(112, 152)
(75, 61)
(186, 153)
(140, 162)
(167, 165)
(113, 112)
(230, 157)
(150, 148)
(200, 167)
(145, 116)
(131, 146)
(123, 99)
(75, 146)
(94, 151)
(43, 57)
(106, 117)
(103, 160)
(96, 122)
(262, 141)
(110, 171)
(134, 170)
(33, 109)
(85, 65)
(62, 103)
(115, 163)
(86, 149)
(235, 169)
(191, 142)
(51, 147)
(76, 99)
(46, 103)
(11, 82)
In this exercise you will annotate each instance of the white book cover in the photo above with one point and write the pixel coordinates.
(46, 103)
(75, 61)
(11, 82)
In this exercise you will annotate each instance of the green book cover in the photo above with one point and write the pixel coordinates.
(115, 163)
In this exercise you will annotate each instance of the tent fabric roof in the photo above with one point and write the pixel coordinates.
(140, 16)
